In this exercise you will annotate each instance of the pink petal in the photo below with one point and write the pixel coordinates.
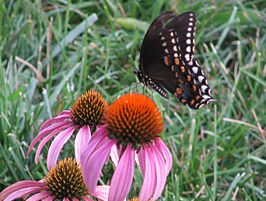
(95, 140)
(39, 196)
(20, 185)
(149, 181)
(165, 153)
(92, 168)
(81, 142)
(23, 192)
(114, 155)
(123, 176)
(44, 132)
(160, 172)
(65, 199)
(49, 199)
(57, 145)
(43, 142)
(101, 192)
(60, 118)
(75, 199)
(141, 162)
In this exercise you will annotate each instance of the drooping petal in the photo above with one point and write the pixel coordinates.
(160, 172)
(60, 118)
(22, 192)
(20, 185)
(123, 176)
(161, 147)
(101, 192)
(48, 199)
(91, 170)
(81, 142)
(141, 161)
(96, 139)
(39, 196)
(65, 199)
(43, 142)
(57, 145)
(149, 175)
(59, 127)
(114, 155)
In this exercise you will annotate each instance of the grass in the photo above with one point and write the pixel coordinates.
(53, 51)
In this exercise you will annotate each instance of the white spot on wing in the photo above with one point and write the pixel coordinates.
(190, 24)
(164, 44)
(187, 57)
(175, 48)
(200, 78)
(189, 29)
(201, 106)
(188, 49)
(173, 41)
(188, 34)
(203, 88)
(176, 55)
(172, 34)
(188, 41)
(206, 97)
(163, 38)
(190, 63)
(195, 69)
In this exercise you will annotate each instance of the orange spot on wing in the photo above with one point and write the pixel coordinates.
(183, 100)
(197, 97)
(194, 87)
(177, 61)
(179, 91)
(166, 60)
(183, 69)
(180, 81)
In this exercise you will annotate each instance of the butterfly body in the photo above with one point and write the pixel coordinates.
(167, 63)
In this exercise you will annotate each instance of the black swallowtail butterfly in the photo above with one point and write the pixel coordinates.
(167, 63)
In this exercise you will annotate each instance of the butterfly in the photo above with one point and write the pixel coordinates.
(167, 62)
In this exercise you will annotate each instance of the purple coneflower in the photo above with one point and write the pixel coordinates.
(62, 182)
(133, 124)
(85, 116)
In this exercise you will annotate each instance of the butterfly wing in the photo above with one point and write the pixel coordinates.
(151, 55)
(151, 46)
(167, 59)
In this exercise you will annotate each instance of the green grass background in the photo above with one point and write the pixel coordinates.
(53, 51)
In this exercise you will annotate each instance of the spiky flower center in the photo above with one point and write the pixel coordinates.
(134, 199)
(133, 119)
(65, 180)
(89, 109)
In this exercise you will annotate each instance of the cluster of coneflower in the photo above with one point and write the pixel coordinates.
(123, 132)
